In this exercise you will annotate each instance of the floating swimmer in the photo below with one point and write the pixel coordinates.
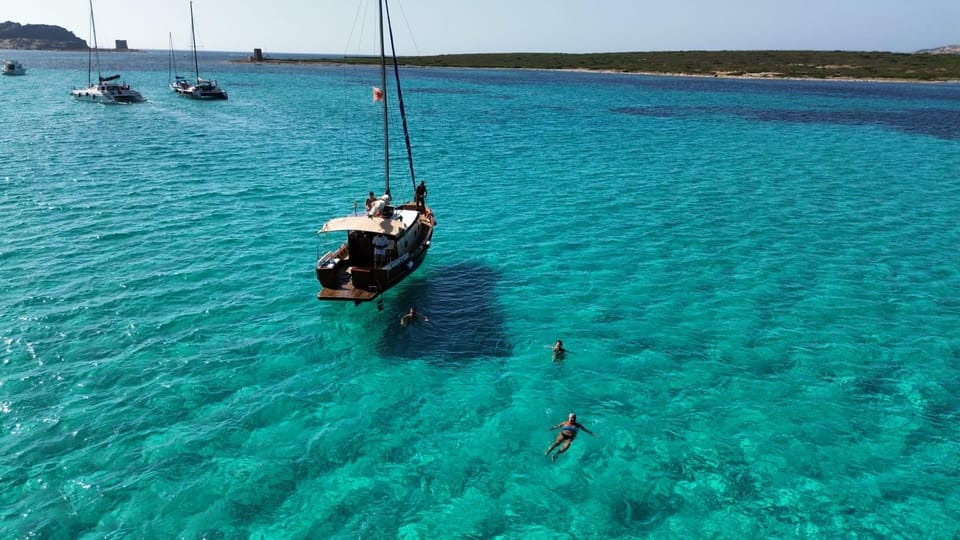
(568, 432)
(411, 316)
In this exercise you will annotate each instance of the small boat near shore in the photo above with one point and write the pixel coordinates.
(12, 67)
(387, 242)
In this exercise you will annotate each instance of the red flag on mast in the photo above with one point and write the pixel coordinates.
(377, 94)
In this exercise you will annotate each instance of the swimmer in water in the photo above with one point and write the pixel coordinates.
(568, 432)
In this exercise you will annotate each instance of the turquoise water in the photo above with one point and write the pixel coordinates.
(758, 281)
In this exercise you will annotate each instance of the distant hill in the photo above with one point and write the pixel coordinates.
(946, 49)
(38, 37)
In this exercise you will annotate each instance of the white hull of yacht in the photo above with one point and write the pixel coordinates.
(201, 89)
(206, 90)
(12, 68)
(107, 93)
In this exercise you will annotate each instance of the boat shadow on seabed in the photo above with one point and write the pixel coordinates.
(464, 323)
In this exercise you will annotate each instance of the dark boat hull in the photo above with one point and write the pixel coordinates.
(206, 95)
(342, 281)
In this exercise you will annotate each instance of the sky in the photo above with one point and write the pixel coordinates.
(426, 27)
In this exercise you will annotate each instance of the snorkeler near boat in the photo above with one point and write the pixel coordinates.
(411, 316)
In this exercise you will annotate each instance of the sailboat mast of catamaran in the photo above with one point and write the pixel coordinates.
(386, 242)
(106, 90)
(202, 89)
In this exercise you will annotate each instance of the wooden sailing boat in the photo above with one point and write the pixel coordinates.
(106, 89)
(387, 242)
(205, 89)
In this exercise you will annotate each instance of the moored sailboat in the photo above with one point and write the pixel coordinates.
(205, 89)
(106, 89)
(177, 81)
(387, 242)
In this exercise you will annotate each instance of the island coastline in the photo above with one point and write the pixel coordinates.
(745, 65)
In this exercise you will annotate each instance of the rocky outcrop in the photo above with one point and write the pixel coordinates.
(38, 37)
(946, 49)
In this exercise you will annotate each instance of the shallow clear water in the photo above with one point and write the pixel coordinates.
(758, 281)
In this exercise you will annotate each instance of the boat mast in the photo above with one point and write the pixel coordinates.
(90, 52)
(96, 49)
(383, 85)
(193, 33)
(403, 112)
(171, 68)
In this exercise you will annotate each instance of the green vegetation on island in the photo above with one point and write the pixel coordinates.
(767, 64)
(38, 37)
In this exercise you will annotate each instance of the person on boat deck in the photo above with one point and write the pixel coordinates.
(369, 202)
(558, 351)
(420, 195)
(391, 249)
(411, 316)
(568, 432)
(380, 244)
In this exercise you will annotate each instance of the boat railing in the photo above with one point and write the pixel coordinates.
(336, 256)
(328, 260)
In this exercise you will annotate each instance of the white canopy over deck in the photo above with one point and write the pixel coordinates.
(392, 226)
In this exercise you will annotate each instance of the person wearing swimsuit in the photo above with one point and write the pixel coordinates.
(568, 432)
(558, 351)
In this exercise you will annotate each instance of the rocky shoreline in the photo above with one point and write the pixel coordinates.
(39, 37)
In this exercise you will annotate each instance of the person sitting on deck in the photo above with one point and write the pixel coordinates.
(368, 204)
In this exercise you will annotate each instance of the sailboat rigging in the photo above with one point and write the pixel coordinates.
(175, 79)
(387, 242)
(105, 89)
(204, 89)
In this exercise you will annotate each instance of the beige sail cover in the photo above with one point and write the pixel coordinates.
(391, 227)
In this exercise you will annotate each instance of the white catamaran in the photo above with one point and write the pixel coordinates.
(106, 89)
(205, 89)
